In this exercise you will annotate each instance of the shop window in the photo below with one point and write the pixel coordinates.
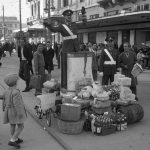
(138, 8)
(65, 3)
(126, 36)
(113, 34)
(92, 37)
(81, 1)
(146, 7)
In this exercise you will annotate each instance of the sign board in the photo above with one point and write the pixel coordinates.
(79, 65)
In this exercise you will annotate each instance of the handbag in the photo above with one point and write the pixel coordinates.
(35, 81)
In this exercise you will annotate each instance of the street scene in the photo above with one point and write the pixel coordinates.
(75, 75)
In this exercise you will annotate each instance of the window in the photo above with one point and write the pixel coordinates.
(9, 31)
(1, 25)
(72, 2)
(146, 7)
(81, 1)
(65, 3)
(138, 8)
(1, 32)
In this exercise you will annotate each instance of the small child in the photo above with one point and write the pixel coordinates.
(14, 109)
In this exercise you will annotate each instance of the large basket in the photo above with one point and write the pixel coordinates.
(70, 127)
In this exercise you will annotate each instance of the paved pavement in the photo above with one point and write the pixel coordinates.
(136, 137)
(34, 136)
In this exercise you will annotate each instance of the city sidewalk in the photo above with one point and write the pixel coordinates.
(134, 137)
(81, 141)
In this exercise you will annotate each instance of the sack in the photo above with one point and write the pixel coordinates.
(47, 100)
(35, 81)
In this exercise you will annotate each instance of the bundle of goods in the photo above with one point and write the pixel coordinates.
(121, 121)
(67, 97)
(82, 83)
(52, 84)
(133, 112)
(102, 103)
(126, 96)
(103, 125)
(47, 101)
(121, 79)
(137, 69)
(84, 103)
(114, 91)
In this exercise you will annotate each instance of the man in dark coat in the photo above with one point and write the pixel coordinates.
(126, 61)
(26, 56)
(68, 30)
(48, 54)
(108, 62)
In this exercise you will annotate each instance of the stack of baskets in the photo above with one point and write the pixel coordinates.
(70, 120)
(70, 127)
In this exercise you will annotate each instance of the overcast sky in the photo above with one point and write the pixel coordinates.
(11, 8)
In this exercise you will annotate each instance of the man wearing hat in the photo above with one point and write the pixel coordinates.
(68, 30)
(108, 62)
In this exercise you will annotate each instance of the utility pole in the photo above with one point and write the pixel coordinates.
(49, 15)
(20, 15)
(3, 23)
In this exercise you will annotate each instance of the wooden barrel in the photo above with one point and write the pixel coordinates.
(133, 112)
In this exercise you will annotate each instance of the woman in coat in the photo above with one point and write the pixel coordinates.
(39, 67)
(14, 109)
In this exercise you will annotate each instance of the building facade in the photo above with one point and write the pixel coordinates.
(7, 25)
(125, 20)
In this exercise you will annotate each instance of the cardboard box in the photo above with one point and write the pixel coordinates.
(70, 112)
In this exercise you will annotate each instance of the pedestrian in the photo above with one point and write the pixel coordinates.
(39, 67)
(108, 62)
(56, 49)
(126, 61)
(93, 50)
(14, 109)
(26, 56)
(48, 53)
(1, 52)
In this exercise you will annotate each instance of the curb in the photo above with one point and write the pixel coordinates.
(49, 131)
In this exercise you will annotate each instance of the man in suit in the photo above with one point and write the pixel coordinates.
(26, 56)
(108, 62)
(68, 30)
(126, 61)
(48, 53)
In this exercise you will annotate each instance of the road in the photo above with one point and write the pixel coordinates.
(136, 137)
(34, 136)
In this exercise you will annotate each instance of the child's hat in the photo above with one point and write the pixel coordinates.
(11, 79)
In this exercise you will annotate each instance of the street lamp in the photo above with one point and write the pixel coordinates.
(47, 10)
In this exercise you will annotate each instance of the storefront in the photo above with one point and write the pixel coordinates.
(133, 27)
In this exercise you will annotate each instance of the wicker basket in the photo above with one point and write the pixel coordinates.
(70, 127)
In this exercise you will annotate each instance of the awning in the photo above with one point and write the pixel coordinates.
(23, 29)
(36, 27)
(116, 20)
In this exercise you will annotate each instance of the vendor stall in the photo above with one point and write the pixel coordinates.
(92, 107)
